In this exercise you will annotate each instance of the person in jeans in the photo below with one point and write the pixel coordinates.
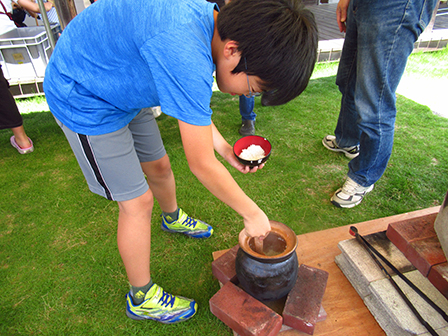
(247, 115)
(380, 36)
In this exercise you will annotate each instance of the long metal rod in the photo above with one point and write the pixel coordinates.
(354, 231)
(406, 280)
(43, 14)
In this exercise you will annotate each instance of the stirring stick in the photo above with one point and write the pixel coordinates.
(258, 245)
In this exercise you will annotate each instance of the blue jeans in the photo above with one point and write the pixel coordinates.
(247, 108)
(380, 37)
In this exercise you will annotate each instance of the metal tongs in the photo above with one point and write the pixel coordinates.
(374, 253)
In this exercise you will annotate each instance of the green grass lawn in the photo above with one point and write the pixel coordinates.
(60, 271)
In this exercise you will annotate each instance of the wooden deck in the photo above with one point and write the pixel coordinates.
(331, 39)
(325, 16)
(346, 311)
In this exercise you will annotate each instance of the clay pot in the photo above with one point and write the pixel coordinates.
(272, 274)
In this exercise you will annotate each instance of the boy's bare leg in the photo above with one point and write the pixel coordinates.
(134, 220)
(146, 299)
(161, 181)
(134, 237)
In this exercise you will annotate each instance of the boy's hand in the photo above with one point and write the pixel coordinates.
(239, 166)
(226, 151)
(257, 226)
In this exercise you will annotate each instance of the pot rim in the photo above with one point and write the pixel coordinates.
(279, 228)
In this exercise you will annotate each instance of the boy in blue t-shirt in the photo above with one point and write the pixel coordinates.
(111, 65)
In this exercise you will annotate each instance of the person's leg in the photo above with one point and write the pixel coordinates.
(385, 39)
(246, 106)
(112, 169)
(386, 36)
(347, 133)
(161, 181)
(154, 161)
(156, 165)
(10, 118)
(21, 138)
(134, 237)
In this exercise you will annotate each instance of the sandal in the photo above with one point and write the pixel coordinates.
(19, 149)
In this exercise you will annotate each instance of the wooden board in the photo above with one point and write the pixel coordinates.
(346, 312)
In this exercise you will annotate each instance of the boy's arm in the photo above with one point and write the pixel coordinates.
(198, 144)
(226, 151)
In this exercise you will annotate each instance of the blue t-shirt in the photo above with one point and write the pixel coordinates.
(117, 57)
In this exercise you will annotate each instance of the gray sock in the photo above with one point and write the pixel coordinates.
(171, 216)
(138, 293)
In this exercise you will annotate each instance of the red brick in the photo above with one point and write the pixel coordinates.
(305, 299)
(244, 314)
(438, 276)
(403, 232)
(223, 268)
(424, 254)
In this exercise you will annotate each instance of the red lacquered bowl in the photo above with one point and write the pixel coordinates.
(245, 142)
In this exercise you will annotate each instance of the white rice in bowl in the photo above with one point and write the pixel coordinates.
(253, 152)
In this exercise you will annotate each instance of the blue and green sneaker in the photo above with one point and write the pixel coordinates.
(187, 225)
(161, 306)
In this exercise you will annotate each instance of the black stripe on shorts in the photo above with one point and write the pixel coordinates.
(91, 158)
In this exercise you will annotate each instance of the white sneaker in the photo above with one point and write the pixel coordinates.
(329, 142)
(350, 195)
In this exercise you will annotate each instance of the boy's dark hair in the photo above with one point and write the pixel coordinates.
(279, 40)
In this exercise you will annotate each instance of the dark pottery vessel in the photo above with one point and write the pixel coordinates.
(272, 274)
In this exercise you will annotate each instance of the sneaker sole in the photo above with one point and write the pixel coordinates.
(346, 206)
(351, 205)
(184, 317)
(347, 154)
(198, 235)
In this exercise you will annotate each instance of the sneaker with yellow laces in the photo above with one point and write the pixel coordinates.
(187, 225)
(160, 306)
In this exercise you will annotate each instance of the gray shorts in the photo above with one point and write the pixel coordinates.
(111, 162)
